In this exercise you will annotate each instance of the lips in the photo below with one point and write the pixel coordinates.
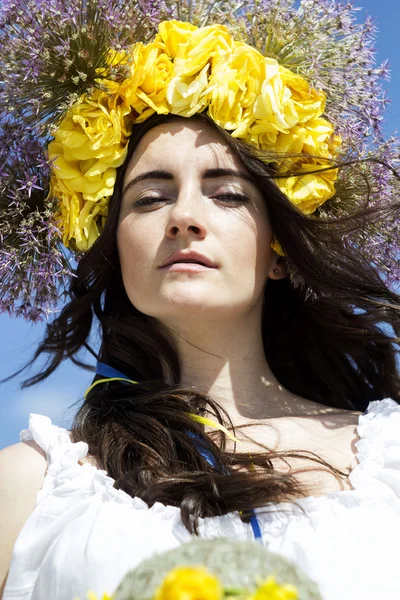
(189, 257)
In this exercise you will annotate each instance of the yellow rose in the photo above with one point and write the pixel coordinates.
(188, 95)
(80, 222)
(190, 47)
(190, 583)
(315, 137)
(308, 191)
(144, 90)
(235, 84)
(271, 590)
(151, 73)
(274, 109)
(312, 137)
(123, 91)
(285, 101)
(175, 35)
(94, 128)
(194, 51)
(90, 143)
(264, 137)
(275, 245)
(309, 103)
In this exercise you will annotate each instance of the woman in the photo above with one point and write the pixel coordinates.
(200, 316)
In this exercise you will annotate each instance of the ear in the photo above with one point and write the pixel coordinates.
(277, 268)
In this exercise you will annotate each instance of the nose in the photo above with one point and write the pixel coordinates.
(187, 216)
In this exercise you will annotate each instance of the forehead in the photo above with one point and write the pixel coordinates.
(182, 145)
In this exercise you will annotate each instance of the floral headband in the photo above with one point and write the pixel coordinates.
(76, 75)
(184, 71)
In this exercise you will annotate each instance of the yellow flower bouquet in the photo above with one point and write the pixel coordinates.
(217, 569)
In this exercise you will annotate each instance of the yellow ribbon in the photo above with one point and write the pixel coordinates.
(215, 425)
(203, 420)
(105, 381)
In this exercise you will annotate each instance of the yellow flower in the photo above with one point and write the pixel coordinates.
(309, 103)
(151, 72)
(275, 245)
(188, 95)
(194, 51)
(89, 145)
(311, 190)
(314, 138)
(236, 82)
(190, 583)
(271, 590)
(150, 69)
(307, 191)
(285, 101)
(288, 124)
(190, 47)
(175, 35)
(80, 222)
(273, 109)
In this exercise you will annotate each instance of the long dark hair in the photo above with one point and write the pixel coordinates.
(323, 339)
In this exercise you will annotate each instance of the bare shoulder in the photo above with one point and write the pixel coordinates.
(25, 459)
(22, 471)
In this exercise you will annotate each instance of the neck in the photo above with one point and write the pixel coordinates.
(226, 360)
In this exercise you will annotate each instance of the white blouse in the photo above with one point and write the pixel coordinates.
(86, 535)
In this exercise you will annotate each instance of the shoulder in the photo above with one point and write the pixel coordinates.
(25, 458)
(22, 471)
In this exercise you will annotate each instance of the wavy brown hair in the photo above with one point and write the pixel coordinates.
(323, 339)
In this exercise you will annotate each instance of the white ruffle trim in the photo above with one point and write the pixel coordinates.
(378, 449)
(378, 468)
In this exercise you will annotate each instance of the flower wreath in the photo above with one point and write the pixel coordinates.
(183, 71)
(297, 80)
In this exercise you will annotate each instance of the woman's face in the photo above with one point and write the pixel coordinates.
(185, 190)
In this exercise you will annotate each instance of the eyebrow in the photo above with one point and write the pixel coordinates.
(209, 174)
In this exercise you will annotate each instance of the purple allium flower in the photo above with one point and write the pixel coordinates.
(323, 41)
(47, 45)
(51, 52)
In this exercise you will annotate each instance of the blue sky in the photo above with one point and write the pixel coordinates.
(56, 396)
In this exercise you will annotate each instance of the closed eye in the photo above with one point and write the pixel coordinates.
(231, 197)
(148, 201)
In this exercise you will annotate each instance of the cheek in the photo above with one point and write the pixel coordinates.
(251, 247)
(135, 252)
(254, 260)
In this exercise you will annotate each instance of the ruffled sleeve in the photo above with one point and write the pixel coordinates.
(83, 534)
(378, 449)
(62, 455)
(54, 440)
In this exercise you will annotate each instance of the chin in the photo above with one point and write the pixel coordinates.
(185, 309)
